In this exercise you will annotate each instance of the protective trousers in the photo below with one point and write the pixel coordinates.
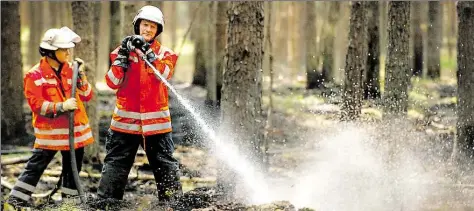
(121, 150)
(35, 167)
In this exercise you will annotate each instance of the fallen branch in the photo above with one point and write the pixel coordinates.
(15, 160)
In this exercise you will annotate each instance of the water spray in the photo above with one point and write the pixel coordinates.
(251, 177)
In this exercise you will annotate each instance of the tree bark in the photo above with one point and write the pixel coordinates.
(435, 39)
(397, 72)
(356, 61)
(463, 150)
(82, 15)
(314, 77)
(13, 117)
(221, 30)
(417, 39)
(242, 84)
(201, 48)
(371, 76)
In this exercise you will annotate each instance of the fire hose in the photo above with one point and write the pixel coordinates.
(72, 151)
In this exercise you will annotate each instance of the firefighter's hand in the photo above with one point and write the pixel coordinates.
(139, 42)
(123, 52)
(70, 104)
(82, 78)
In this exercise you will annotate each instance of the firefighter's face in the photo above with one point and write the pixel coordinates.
(62, 54)
(148, 29)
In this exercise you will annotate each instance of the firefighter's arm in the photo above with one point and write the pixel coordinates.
(84, 88)
(116, 73)
(34, 96)
(166, 64)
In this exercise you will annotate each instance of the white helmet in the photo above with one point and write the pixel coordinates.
(59, 38)
(149, 13)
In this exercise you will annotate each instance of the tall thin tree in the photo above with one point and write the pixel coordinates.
(397, 71)
(463, 152)
(242, 85)
(13, 117)
(82, 16)
(356, 61)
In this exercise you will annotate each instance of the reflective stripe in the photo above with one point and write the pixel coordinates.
(158, 126)
(125, 126)
(62, 131)
(63, 142)
(40, 81)
(20, 195)
(69, 191)
(25, 186)
(141, 116)
(167, 72)
(87, 92)
(112, 77)
(127, 114)
(44, 107)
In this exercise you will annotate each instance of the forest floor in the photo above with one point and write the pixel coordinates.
(315, 160)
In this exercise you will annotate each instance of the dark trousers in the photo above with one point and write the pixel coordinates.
(121, 150)
(35, 167)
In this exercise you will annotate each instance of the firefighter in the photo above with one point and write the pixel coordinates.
(47, 88)
(141, 116)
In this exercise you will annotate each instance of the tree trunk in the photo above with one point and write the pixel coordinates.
(371, 76)
(435, 39)
(211, 97)
(328, 71)
(201, 49)
(82, 15)
(129, 10)
(13, 117)
(36, 32)
(463, 151)
(115, 34)
(221, 30)
(242, 85)
(417, 39)
(356, 62)
(397, 72)
(313, 76)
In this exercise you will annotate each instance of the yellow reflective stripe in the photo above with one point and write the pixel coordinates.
(125, 126)
(44, 107)
(62, 131)
(40, 81)
(69, 191)
(141, 116)
(63, 142)
(158, 126)
(25, 186)
(20, 195)
(167, 72)
(87, 92)
(112, 77)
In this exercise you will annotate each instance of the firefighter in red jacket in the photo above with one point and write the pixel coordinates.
(141, 116)
(47, 88)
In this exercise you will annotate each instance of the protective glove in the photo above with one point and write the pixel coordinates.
(69, 105)
(139, 42)
(123, 53)
(82, 78)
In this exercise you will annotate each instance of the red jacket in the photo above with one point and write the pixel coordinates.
(142, 99)
(42, 89)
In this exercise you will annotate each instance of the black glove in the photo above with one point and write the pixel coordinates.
(139, 42)
(123, 53)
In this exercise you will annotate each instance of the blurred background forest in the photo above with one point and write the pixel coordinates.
(319, 65)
